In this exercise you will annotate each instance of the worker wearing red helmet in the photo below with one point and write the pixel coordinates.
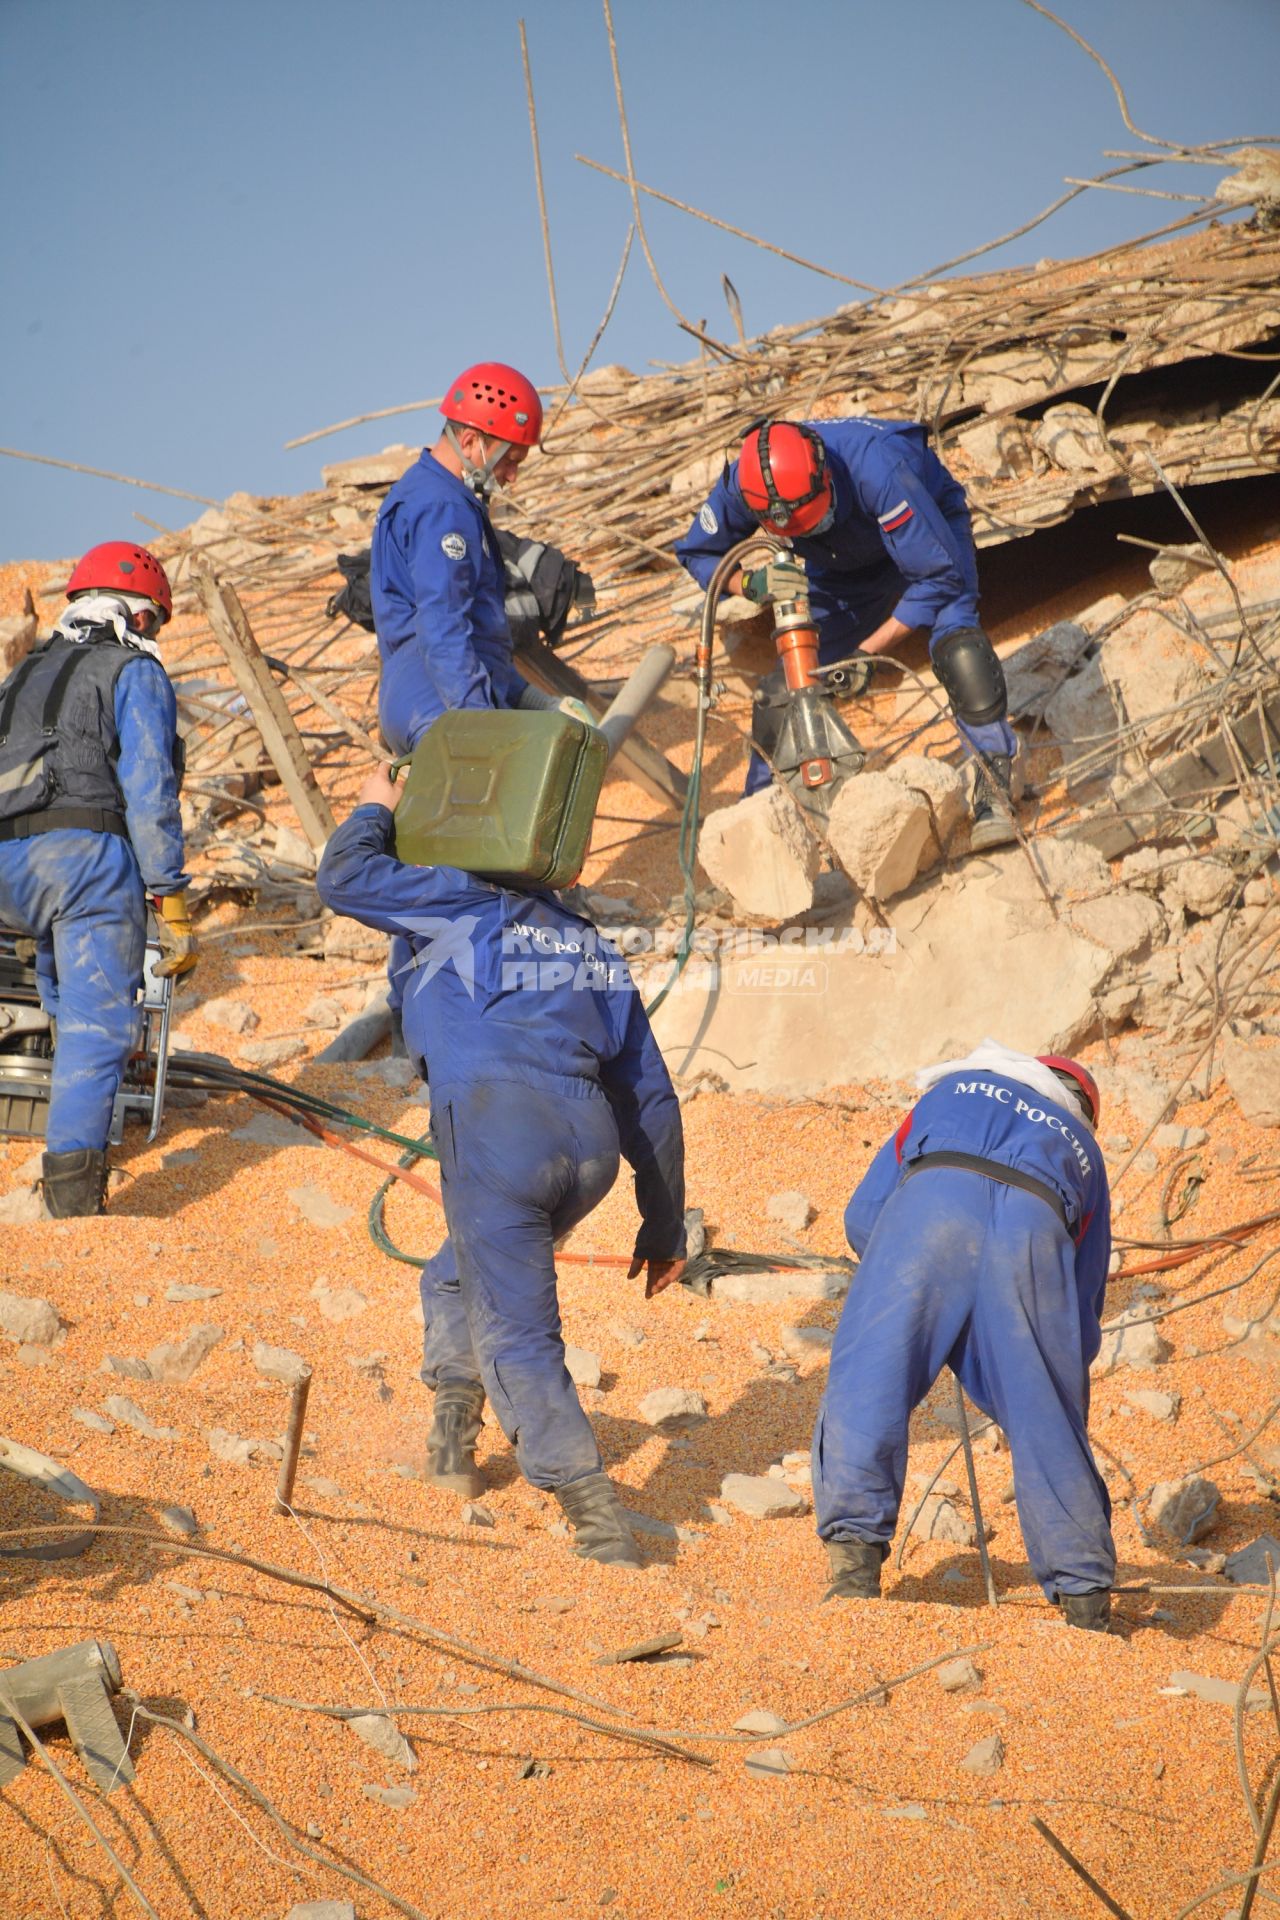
(90, 765)
(883, 530)
(436, 575)
(983, 1233)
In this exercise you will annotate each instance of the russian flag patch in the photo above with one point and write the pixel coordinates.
(896, 517)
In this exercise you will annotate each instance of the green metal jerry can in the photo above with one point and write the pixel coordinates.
(508, 795)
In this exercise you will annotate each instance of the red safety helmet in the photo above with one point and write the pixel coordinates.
(782, 476)
(495, 399)
(120, 565)
(1081, 1075)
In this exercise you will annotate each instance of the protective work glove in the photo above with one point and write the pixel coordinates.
(577, 710)
(661, 1274)
(178, 943)
(780, 580)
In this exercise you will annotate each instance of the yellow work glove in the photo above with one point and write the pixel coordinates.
(178, 944)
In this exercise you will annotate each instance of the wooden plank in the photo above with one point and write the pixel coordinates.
(267, 704)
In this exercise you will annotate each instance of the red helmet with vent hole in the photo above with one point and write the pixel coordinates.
(121, 565)
(1081, 1075)
(495, 399)
(782, 476)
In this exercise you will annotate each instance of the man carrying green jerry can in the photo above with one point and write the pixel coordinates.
(543, 1071)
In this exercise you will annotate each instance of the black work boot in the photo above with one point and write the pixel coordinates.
(992, 803)
(451, 1443)
(593, 1510)
(75, 1184)
(1091, 1611)
(856, 1566)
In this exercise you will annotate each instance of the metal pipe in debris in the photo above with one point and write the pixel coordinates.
(293, 1441)
(635, 695)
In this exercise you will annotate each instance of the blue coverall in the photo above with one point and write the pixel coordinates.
(900, 545)
(957, 1269)
(82, 896)
(543, 1066)
(438, 587)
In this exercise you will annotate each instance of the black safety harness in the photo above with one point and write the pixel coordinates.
(993, 1170)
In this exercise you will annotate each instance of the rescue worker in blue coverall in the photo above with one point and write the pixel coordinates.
(543, 1067)
(89, 827)
(883, 531)
(437, 580)
(983, 1234)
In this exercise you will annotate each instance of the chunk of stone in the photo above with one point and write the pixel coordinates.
(1125, 924)
(1220, 1693)
(1203, 887)
(324, 1011)
(278, 1363)
(954, 1675)
(1070, 436)
(1161, 1406)
(583, 1367)
(30, 1321)
(237, 1016)
(760, 1497)
(1034, 671)
(174, 1361)
(761, 853)
(673, 1407)
(878, 831)
(780, 1284)
(1070, 866)
(802, 1343)
(987, 1756)
(941, 1519)
(317, 1207)
(178, 1519)
(274, 1052)
(1133, 1343)
(233, 1448)
(130, 1415)
(1248, 1565)
(399, 1797)
(381, 1733)
(1254, 1079)
(322, 1910)
(759, 1720)
(1171, 1138)
(791, 1210)
(1081, 717)
(474, 1515)
(1152, 669)
(127, 1367)
(180, 1293)
(942, 789)
(769, 1763)
(96, 1422)
(1185, 1509)
(23, 1207)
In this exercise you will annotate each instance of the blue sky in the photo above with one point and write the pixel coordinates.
(229, 224)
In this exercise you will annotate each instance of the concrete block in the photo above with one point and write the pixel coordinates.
(878, 832)
(1254, 1079)
(1038, 668)
(762, 854)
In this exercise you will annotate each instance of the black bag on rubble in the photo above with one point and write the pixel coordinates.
(543, 587)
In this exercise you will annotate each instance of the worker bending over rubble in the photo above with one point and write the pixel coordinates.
(543, 1066)
(983, 1232)
(883, 531)
(90, 764)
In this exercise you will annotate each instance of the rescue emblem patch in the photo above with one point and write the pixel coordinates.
(455, 546)
(707, 521)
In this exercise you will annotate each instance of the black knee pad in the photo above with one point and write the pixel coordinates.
(970, 673)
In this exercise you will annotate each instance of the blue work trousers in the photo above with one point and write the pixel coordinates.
(79, 895)
(519, 1167)
(965, 1272)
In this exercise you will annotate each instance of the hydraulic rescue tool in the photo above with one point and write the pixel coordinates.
(815, 751)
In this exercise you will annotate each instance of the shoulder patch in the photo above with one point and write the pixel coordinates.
(707, 520)
(455, 546)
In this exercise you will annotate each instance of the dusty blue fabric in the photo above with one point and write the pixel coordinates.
(519, 1167)
(960, 1270)
(79, 895)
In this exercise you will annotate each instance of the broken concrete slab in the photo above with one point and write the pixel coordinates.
(1254, 1079)
(987, 1756)
(380, 1732)
(278, 1363)
(129, 1414)
(954, 1675)
(1221, 1693)
(803, 1343)
(1134, 1342)
(274, 1052)
(878, 831)
(1126, 925)
(1152, 669)
(761, 852)
(237, 1016)
(928, 973)
(1202, 886)
(583, 1367)
(781, 1284)
(1036, 670)
(792, 1210)
(1247, 1567)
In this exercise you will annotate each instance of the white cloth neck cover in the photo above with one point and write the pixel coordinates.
(992, 1056)
(112, 610)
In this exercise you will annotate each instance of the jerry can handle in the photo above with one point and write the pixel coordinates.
(393, 771)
